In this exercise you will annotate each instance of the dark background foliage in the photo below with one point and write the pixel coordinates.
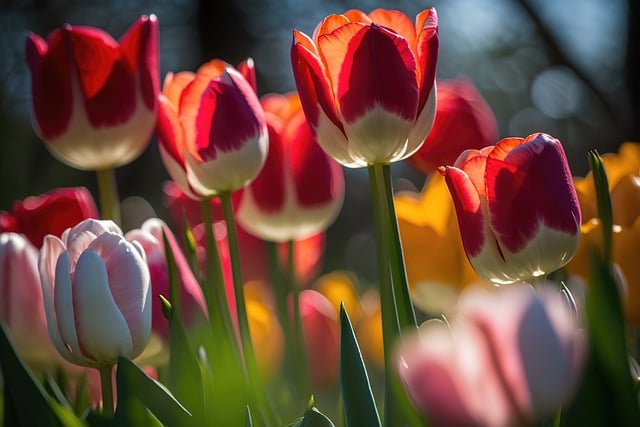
(569, 68)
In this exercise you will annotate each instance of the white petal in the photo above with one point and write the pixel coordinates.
(423, 124)
(102, 329)
(63, 307)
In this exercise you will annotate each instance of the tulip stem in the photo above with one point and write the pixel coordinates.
(107, 390)
(302, 376)
(108, 194)
(251, 365)
(214, 290)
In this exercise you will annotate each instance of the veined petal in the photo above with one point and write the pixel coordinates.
(213, 69)
(174, 85)
(376, 68)
(102, 329)
(65, 311)
(329, 24)
(355, 15)
(427, 47)
(396, 21)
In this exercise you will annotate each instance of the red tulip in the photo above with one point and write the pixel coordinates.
(511, 356)
(211, 128)
(94, 99)
(49, 213)
(366, 83)
(517, 208)
(149, 235)
(463, 121)
(300, 189)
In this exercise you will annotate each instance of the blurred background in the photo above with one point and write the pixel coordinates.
(570, 68)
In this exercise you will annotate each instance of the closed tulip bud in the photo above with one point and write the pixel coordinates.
(517, 208)
(211, 128)
(511, 356)
(367, 83)
(97, 294)
(149, 235)
(94, 98)
(300, 189)
(21, 306)
(463, 121)
(49, 213)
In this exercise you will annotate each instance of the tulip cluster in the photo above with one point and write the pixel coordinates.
(236, 311)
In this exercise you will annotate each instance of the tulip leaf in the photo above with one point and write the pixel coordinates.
(603, 198)
(26, 403)
(313, 418)
(359, 404)
(137, 392)
(249, 420)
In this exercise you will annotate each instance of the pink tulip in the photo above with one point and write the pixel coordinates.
(517, 208)
(21, 306)
(300, 189)
(49, 213)
(211, 128)
(193, 306)
(97, 293)
(463, 121)
(94, 98)
(512, 356)
(367, 83)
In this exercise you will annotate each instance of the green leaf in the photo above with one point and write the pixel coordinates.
(603, 199)
(359, 404)
(25, 400)
(249, 420)
(313, 418)
(137, 391)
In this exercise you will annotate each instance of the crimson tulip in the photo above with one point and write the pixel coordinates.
(463, 121)
(367, 82)
(517, 207)
(94, 98)
(49, 213)
(97, 294)
(211, 128)
(300, 189)
(511, 356)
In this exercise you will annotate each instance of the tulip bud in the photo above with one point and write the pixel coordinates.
(49, 213)
(94, 99)
(21, 306)
(212, 130)
(517, 208)
(97, 293)
(300, 189)
(511, 356)
(367, 83)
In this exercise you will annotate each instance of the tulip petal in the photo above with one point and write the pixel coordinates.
(270, 187)
(102, 329)
(64, 310)
(129, 284)
(427, 47)
(396, 21)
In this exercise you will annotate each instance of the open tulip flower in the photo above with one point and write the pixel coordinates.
(49, 213)
(97, 294)
(367, 82)
(623, 174)
(517, 208)
(94, 98)
(300, 189)
(211, 128)
(511, 356)
(463, 121)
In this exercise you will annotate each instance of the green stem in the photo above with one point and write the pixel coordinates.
(108, 195)
(107, 390)
(214, 289)
(302, 368)
(406, 313)
(251, 364)
(390, 325)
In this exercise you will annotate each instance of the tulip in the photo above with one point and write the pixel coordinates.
(463, 121)
(49, 213)
(299, 191)
(94, 98)
(437, 267)
(517, 208)
(21, 307)
(366, 83)
(97, 294)
(511, 356)
(211, 128)
(193, 307)
(623, 174)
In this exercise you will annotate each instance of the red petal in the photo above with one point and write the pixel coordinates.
(427, 47)
(396, 21)
(378, 69)
(268, 188)
(169, 130)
